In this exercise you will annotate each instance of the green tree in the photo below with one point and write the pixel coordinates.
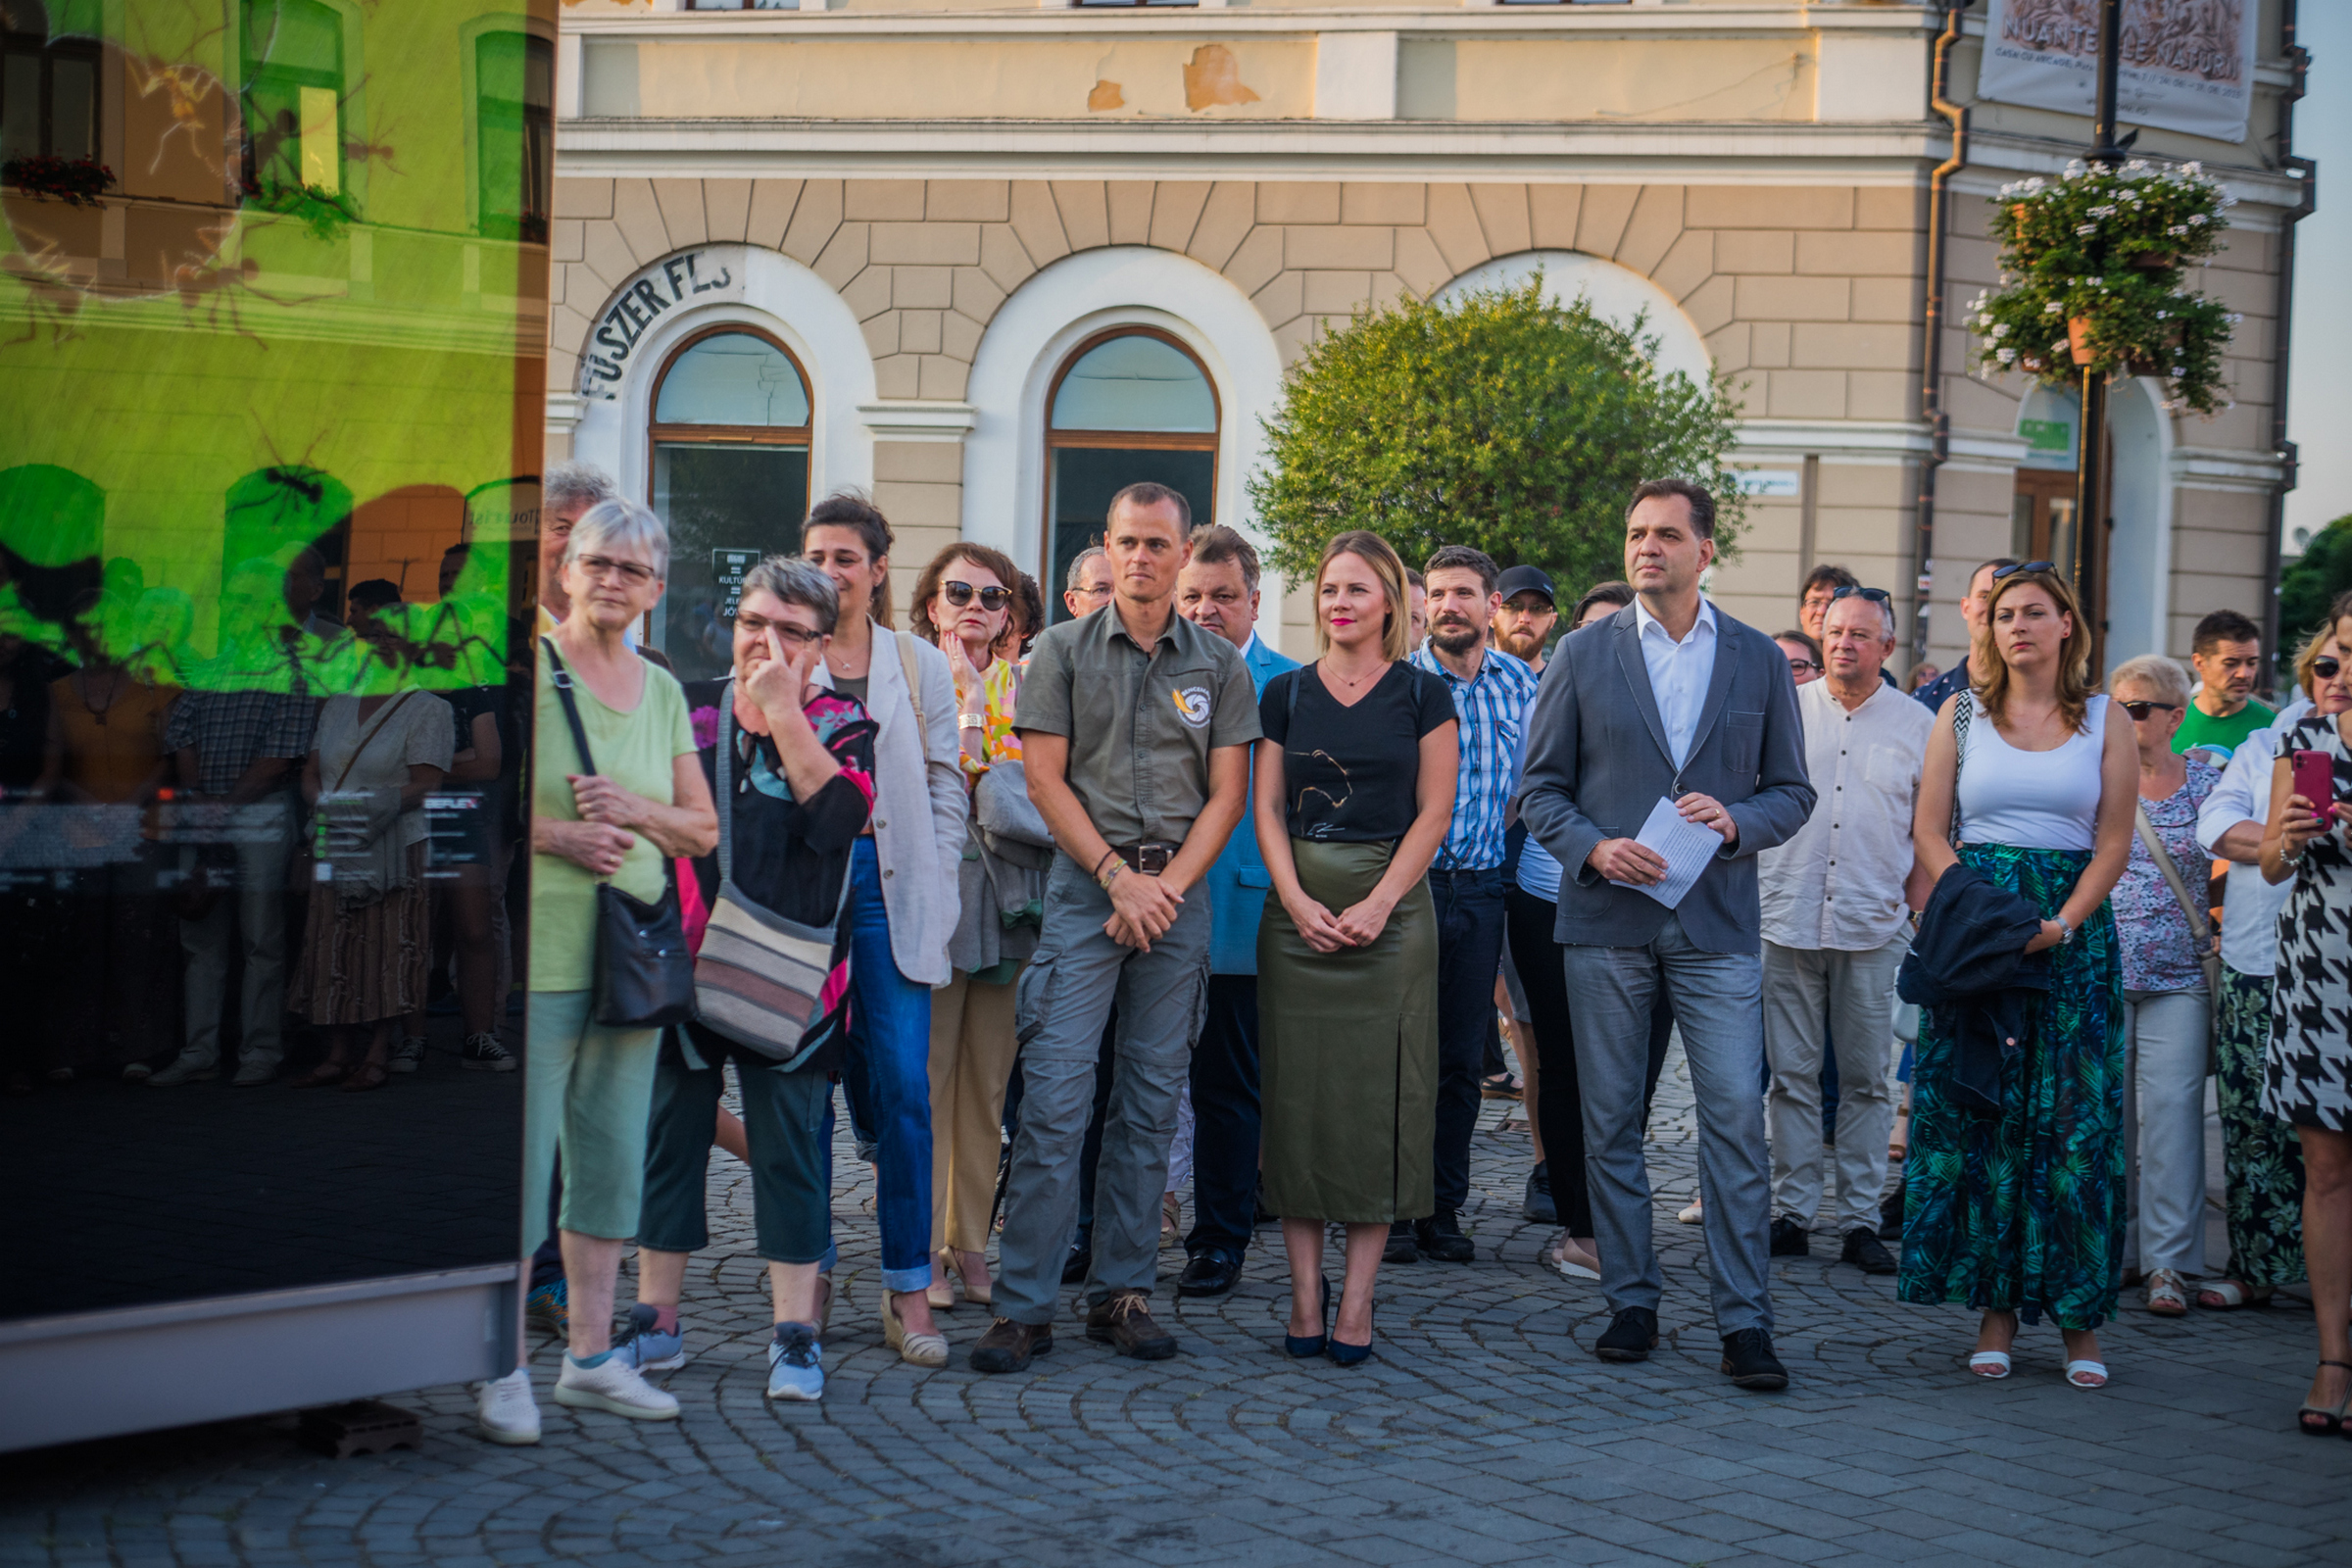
(1496, 420)
(2310, 583)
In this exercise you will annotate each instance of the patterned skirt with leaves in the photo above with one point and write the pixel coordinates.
(2261, 1156)
(2023, 1211)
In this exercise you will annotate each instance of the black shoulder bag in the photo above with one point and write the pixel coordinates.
(644, 973)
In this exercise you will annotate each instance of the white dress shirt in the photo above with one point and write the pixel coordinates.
(2250, 909)
(1679, 673)
(1838, 882)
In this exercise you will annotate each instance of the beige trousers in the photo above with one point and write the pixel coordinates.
(972, 1046)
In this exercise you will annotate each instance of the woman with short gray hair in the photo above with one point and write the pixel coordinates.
(798, 759)
(2168, 1008)
(619, 814)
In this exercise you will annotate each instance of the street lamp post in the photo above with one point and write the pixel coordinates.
(2091, 499)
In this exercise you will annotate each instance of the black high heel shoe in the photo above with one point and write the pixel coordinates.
(1343, 1354)
(1302, 1349)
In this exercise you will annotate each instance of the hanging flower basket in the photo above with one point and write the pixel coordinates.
(2091, 278)
(76, 181)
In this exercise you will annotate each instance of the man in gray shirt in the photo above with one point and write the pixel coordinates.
(1135, 731)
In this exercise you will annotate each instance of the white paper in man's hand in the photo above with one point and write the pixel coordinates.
(1686, 847)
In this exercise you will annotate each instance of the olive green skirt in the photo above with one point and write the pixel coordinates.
(1350, 1050)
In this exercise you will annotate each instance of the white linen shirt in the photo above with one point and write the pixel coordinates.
(1838, 882)
(1679, 673)
(2250, 909)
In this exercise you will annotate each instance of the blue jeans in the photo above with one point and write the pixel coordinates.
(888, 1075)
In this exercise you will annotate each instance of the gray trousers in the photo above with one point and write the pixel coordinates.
(1717, 1005)
(253, 914)
(1065, 996)
(1850, 996)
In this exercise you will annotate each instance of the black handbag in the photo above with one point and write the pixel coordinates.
(644, 973)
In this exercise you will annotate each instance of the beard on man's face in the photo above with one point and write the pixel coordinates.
(1453, 633)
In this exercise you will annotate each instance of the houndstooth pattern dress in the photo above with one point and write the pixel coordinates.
(2307, 1073)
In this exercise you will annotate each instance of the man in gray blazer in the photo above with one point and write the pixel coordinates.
(1669, 698)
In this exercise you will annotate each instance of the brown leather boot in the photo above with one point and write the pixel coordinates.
(1007, 1346)
(1121, 1321)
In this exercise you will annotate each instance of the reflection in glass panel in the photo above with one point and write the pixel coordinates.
(264, 690)
(726, 506)
(1135, 383)
(1085, 478)
(733, 379)
(515, 152)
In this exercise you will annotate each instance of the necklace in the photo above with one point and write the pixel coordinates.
(113, 689)
(1354, 680)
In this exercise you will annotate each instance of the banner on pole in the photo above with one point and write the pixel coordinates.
(2185, 65)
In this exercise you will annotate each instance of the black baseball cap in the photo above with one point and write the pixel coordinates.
(1526, 580)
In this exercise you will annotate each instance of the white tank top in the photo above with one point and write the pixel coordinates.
(2031, 800)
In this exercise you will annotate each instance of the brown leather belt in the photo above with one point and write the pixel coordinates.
(1151, 858)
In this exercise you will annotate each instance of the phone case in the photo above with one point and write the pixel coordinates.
(2315, 778)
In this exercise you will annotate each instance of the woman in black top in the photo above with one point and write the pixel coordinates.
(1354, 789)
(802, 787)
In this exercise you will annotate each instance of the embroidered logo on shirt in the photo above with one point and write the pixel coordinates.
(1191, 704)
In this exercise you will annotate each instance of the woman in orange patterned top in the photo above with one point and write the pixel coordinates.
(965, 602)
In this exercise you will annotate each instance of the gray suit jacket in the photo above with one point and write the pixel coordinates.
(1598, 761)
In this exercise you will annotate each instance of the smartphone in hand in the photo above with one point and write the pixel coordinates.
(2315, 780)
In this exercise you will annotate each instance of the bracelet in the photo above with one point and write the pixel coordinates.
(971, 721)
(1108, 855)
(1111, 875)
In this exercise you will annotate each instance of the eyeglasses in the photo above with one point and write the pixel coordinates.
(793, 636)
(1877, 596)
(1798, 666)
(2141, 709)
(2326, 666)
(959, 594)
(1096, 590)
(2024, 566)
(635, 573)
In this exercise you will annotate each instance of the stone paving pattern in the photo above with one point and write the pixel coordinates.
(1483, 1432)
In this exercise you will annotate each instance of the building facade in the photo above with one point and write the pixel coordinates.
(991, 263)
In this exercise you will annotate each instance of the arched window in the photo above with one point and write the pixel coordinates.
(1129, 405)
(730, 467)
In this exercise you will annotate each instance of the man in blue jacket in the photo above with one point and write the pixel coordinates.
(1217, 591)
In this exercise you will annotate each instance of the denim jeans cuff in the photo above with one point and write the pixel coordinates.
(901, 1280)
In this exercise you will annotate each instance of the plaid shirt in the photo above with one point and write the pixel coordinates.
(229, 729)
(1492, 707)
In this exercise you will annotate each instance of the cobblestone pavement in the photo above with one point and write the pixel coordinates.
(1485, 1432)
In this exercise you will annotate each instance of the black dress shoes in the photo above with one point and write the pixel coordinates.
(1439, 1239)
(1401, 1247)
(1890, 1213)
(1207, 1274)
(1630, 1336)
(1538, 1207)
(1790, 1239)
(1866, 1251)
(1748, 1361)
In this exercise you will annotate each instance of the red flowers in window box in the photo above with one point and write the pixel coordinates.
(76, 181)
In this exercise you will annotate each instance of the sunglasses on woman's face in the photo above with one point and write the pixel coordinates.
(2324, 666)
(959, 594)
(2140, 710)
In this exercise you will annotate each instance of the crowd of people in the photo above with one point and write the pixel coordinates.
(1069, 913)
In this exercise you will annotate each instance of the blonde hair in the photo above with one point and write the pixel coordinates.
(2074, 655)
(1374, 551)
(2163, 675)
(2309, 654)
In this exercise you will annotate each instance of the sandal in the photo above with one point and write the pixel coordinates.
(366, 1076)
(2168, 1294)
(2087, 1374)
(1503, 1086)
(941, 1293)
(1990, 1363)
(1569, 1260)
(320, 1077)
(2227, 1296)
(2331, 1417)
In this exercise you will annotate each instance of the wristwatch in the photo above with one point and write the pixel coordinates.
(2068, 930)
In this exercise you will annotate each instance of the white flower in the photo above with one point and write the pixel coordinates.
(2160, 315)
(2194, 168)
(2007, 355)
(2053, 308)
(1985, 320)
(2178, 229)
(2061, 346)
(2087, 228)
(2235, 317)
(2197, 218)
(2001, 332)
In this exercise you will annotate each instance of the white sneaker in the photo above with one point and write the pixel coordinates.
(408, 1054)
(504, 1410)
(260, 1070)
(615, 1386)
(184, 1070)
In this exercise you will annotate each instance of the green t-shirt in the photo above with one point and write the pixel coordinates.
(2200, 729)
(635, 751)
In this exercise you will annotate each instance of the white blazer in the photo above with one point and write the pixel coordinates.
(920, 805)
